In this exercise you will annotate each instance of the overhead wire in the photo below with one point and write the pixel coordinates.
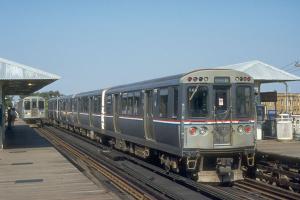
(290, 69)
(294, 70)
(288, 65)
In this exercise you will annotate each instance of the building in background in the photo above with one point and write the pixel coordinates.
(293, 103)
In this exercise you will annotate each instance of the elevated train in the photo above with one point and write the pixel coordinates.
(32, 109)
(201, 123)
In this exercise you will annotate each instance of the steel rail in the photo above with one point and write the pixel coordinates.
(157, 190)
(118, 181)
(208, 190)
(266, 190)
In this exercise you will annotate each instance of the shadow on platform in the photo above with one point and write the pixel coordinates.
(22, 136)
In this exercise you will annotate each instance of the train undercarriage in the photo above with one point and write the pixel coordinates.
(208, 167)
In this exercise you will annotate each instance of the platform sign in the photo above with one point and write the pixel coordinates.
(268, 96)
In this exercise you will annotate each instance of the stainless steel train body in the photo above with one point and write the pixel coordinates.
(32, 108)
(202, 122)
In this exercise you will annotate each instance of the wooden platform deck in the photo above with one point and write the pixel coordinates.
(30, 168)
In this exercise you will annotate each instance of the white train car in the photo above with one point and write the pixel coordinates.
(32, 109)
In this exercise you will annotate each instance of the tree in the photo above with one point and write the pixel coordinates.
(8, 101)
(47, 95)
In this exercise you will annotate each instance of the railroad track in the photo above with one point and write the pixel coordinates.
(117, 180)
(208, 191)
(266, 190)
(248, 189)
(282, 171)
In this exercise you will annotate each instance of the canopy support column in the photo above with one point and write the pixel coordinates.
(257, 85)
(2, 117)
(286, 98)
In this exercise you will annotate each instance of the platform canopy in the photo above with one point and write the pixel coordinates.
(19, 79)
(262, 72)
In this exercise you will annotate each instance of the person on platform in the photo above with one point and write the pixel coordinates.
(13, 116)
(9, 118)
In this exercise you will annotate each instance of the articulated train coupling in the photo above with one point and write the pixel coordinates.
(224, 166)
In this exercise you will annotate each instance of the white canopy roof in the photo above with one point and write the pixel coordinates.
(263, 72)
(20, 79)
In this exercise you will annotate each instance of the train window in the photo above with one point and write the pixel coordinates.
(197, 101)
(41, 104)
(130, 104)
(74, 104)
(163, 103)
(60, 105)
(26, 105)
(175, 103)
(85, 104)
(124, 104)
(243, 101)
(137, 104)
(108, 105)
(34, 103)
(70, 105)
(64, 105)
(97, 104)
(81, 104)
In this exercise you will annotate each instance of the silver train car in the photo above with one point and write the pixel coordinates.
(201, 124)
(32, 109)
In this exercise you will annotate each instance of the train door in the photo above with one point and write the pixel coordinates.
(222, 115)
(34, 107)
(27, 107)
(148, 114)
(76, 106)
(41, 108)
(116, 112)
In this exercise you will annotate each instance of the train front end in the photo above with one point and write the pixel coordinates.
(218, 124)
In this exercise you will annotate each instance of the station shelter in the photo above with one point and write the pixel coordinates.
(264, 73)
(19, 79)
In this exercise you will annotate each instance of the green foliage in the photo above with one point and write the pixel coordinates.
(8, 101)
(46, 95)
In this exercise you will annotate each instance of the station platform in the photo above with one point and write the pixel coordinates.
(288, 149)
(30, 168)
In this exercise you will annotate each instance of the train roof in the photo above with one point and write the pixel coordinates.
(30, 97)
(89, 93)
(156, 83)
(163, 81)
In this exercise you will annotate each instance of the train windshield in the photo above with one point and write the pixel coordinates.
(243, 101)
(27, 105)
(197, 101)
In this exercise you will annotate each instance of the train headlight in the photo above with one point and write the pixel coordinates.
(247, 129)
(203, 130)
(193, 131)
(240, 129)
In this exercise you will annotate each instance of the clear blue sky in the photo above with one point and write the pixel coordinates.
(96, 44)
